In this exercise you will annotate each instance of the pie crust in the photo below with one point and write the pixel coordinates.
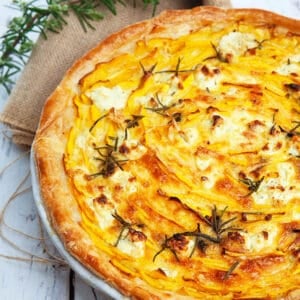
(263, 264)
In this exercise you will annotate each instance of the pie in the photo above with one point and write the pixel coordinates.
(169, 157)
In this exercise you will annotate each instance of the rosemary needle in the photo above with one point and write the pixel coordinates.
(231, 269)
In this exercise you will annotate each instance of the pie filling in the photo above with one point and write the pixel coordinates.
(184, 161)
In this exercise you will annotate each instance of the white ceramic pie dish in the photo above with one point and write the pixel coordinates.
(89, 277)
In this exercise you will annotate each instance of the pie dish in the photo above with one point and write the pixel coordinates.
(87, 275)
(168, 157)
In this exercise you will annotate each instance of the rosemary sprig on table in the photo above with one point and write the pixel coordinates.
(147, 2)
(17, 43)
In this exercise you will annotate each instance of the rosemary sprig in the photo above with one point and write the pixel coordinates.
(131, 123)
(108, 156)
(177, 70)
(215, 222)
(162, 109)
(167, 244)
(178, 240)
(230, 270)
(294, 131)
(153, 2)
(149, 72)
(218, 55)
(98, 120)
(125, 225)
(252, 185)
(16, 44)
(260, 43)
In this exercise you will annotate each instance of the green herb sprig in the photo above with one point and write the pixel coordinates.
(131, 123)
(217, 224)
(167, 244)
(177, 69)
(108, 157)
(230, 270)
(289, 133)
(97, 121)
(214, 221)
(126, 225)
(17, 43)
(163, 109)
(253, 185)
(160, 108)
(218, 55)
(294, 131)
(260, 43)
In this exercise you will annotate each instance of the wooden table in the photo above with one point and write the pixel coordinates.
(35, 280)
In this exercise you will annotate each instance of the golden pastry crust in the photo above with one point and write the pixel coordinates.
(57, 180)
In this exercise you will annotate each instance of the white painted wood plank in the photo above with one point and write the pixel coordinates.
(34, 282)
(82, 291)
(24, 280)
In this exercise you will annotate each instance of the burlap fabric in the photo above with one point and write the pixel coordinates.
(51, 58)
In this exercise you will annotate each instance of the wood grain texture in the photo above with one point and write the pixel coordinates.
(24, 280)
(84, 291)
